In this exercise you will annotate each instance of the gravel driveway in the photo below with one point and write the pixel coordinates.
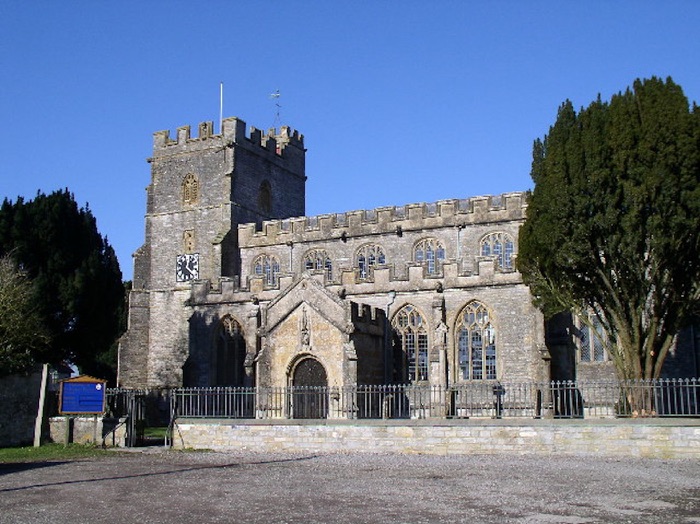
(157, 486)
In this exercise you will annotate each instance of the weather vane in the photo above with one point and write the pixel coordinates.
(276, 97)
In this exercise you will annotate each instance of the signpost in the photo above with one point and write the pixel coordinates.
(83, 395)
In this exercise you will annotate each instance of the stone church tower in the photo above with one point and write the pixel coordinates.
(201, 189)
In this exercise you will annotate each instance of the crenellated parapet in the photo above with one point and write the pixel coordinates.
(274, 141)
(507, 207)
(364, 313)
(483, 273)
(233, 132)
(367, 320)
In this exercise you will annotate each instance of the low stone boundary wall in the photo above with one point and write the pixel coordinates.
(88, 430)
(660, 438)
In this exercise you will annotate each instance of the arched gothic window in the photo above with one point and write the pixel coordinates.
(476, 343)
(190, 190)
(501, 246)
(230, 353)
(268, 267)
(368, 257)
(265, 197)
(411, 337)
(591, 343)
(318, 260)
(429, 252)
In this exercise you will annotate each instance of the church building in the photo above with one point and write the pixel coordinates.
(235, 286)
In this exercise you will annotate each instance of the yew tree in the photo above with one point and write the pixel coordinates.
(613, 221)
(77, 284)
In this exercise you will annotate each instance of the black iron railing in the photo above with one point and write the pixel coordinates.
(658, 398)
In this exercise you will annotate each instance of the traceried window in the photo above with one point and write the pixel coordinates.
(429, 252)
(318, 260)
(265, 197)
(476, 343)
(190, 190)
(591, 343)
(412, 338)
(230, 354)
(268, 267)
(501, 246)
(368, 257)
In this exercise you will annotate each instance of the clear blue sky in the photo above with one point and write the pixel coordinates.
(399, 101)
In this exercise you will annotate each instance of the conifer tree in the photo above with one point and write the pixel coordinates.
(613, 222)
(76, 276)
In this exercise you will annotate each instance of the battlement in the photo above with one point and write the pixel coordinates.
(393, 219)
(455, 274)
(366, 313)
(274, 141)
(233, 131)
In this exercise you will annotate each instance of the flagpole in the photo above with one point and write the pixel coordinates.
(221, 108)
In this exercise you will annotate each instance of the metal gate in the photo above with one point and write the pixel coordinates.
(137, 410)
(136, 419)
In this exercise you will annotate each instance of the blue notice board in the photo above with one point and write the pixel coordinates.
(82, 395)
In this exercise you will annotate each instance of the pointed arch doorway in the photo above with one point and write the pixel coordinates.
(309, 390)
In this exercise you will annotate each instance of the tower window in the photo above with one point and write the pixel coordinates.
(190, 190)
(265, 197)
(188, 241)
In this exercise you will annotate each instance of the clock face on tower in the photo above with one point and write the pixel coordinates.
(187, 267)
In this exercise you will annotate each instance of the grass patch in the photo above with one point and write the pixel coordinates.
(50, 452)
(155, 432)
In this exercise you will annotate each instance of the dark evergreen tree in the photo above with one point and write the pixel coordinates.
(76, 277)
(613, 223)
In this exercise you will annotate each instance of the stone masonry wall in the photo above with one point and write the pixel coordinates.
(19, 402)
(168, 339)
(465, 275)
(133, 346)
(657, 438)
